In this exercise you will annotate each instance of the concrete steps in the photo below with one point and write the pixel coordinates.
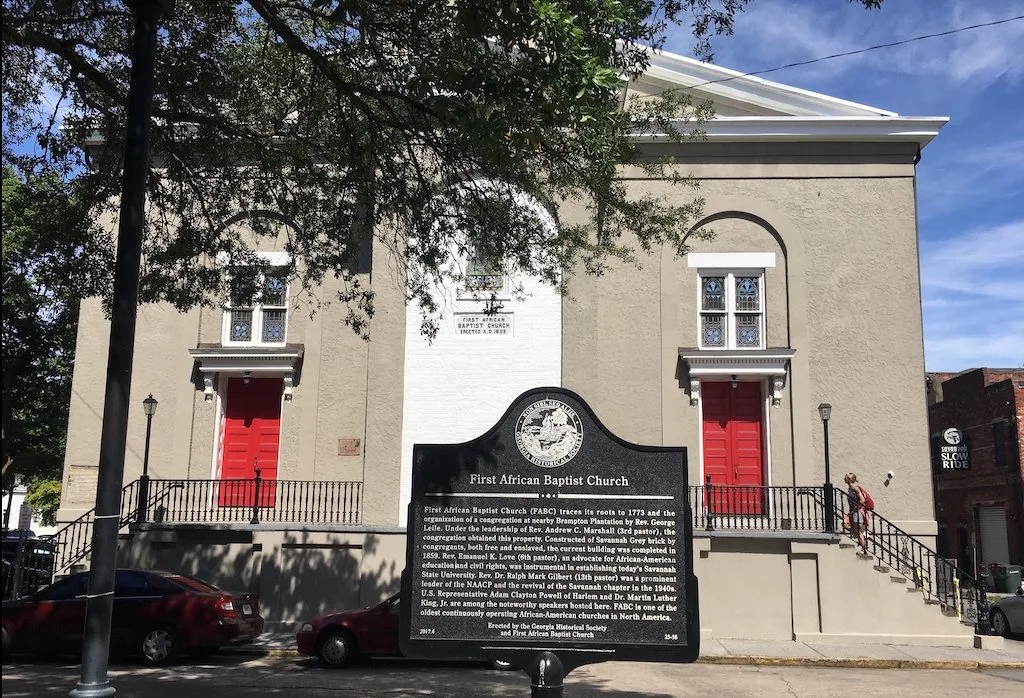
(909, 584)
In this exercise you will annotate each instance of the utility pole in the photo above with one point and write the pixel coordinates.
(99, 607)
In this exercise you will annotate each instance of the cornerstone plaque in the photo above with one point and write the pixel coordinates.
(550, 533)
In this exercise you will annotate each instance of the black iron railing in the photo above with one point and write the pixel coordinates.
(938, 579)
(256, 501)
(214, 501)
(757, 508)
(73, 542)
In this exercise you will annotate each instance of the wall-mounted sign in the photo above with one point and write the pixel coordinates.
(479, 324)
(954, 451)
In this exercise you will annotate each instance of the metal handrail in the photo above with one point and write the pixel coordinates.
(74, 541)
(938, 578)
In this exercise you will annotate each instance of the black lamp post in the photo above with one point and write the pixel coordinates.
(825, 412)
(149, 407)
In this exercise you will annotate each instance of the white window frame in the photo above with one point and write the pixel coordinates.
(274, 259)
(470, 292)
(730, 311)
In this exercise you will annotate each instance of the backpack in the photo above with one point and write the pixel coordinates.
(868, 501)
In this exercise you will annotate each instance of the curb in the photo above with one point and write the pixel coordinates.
(755, 660)
(860, 662)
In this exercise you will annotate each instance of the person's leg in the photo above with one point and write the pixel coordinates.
(862, 534)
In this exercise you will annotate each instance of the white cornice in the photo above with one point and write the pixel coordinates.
(283, 362)
(920, 130)
(738, 362)
(723, 365)
(733, 86)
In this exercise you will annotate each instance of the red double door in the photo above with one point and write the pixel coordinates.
(251, 440)
(733, 452)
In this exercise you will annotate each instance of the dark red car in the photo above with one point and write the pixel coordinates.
(338, 638)
(156, 615)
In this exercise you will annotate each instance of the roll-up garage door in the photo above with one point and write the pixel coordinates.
(992, 529)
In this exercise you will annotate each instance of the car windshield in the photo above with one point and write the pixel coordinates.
(193, 584)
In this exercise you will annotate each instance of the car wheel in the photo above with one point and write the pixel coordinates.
(500, 665)
(999, 623)
(336, 649)
(159, 645)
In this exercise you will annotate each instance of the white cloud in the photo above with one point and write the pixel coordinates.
(973, 298)
(775, 32)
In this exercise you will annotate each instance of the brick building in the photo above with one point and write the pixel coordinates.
(976, 421)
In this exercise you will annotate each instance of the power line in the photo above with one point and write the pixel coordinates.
(862, 50)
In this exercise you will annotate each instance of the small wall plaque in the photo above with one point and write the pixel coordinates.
(349, 447)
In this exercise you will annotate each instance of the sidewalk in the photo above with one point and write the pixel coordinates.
(786, 653)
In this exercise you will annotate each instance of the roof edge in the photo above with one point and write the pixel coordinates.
(737, 86)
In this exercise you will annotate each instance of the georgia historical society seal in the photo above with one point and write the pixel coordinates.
(549, 433)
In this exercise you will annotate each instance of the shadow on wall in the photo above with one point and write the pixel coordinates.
(297, 574)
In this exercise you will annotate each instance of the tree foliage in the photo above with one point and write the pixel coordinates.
(43, 253)
(424, 124)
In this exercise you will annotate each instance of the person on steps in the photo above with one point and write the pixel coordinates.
(858, 511)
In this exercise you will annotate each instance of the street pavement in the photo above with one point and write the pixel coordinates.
(788, 652)
(240, 676)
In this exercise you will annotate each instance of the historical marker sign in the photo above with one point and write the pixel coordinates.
(550, 533)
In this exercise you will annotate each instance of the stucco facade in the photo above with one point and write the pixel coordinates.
(812, 202)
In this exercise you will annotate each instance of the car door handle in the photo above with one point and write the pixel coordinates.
(735, 470)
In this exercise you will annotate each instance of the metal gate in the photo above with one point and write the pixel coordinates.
(992, 535)
(27, 563)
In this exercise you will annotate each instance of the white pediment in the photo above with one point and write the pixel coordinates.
(748, 107)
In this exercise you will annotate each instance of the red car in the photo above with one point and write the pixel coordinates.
(338, 638)
(156, 615)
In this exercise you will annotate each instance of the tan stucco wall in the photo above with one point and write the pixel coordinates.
(844, 294)
(163, 367)
(752, 588)
(347, 389)
(812, 591)
(297, 574)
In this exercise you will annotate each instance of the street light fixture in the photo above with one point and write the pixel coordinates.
(825, 412)
(149, 407)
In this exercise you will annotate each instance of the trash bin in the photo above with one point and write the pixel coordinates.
(1005, 578)
(1012, 579)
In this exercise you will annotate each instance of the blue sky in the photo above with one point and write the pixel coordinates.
(971, 177)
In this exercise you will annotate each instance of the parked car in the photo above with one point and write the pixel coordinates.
(1007, 614)
(156, 615)
(336, 639)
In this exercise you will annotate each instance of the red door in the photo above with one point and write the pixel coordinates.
(732, 445)
(252, 435)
